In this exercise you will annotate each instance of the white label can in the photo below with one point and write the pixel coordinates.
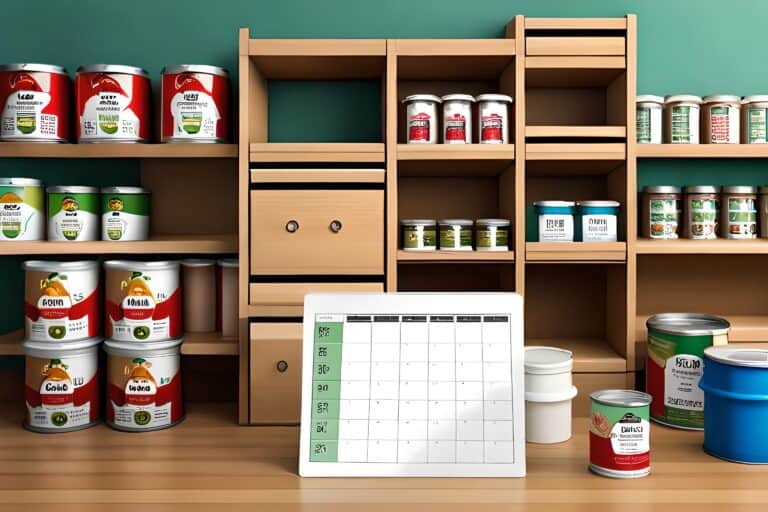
(555, 220)
(421, 118)
(457, 118)
(493, 118)
(648, 119)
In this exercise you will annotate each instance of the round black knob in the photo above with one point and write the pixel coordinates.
(292, 226)
(335, 225)
(282, 366)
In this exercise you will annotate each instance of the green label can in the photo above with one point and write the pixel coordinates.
(455, 235)
(125, 213)
(419, 235)
(73, 214)
(21, 209)
(492, 235)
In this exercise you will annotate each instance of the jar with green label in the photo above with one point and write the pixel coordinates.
(660, 212)
(702, 204)
(648, 119)
(22, 202)
(455, 234)
(419, 234)
(125, 213)
(681, 119)
(754, 115)
(73, 214)
(492, 234)
(738, 212)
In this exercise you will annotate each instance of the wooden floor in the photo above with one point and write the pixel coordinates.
(209, 463)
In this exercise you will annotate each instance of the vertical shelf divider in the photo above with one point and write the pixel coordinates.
(631, 203)
(390, 136)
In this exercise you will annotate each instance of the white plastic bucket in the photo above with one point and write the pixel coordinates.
(549, 391)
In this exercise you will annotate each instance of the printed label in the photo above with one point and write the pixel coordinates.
(619, 438)
(61, 306)
(455, 237)
(72, 217)
(555, 228)
(455, 128)
(643, 125)
(756, 131)
(702, 219)
(723, 122)
(663, 215)
(492, 238)
(112, 106)
(685, 125)
(742, 218)
(125, 217)
(492, 128)
(21, 213)
(598, 228)
(194, 112)
(419, 237)
(33, 105)
(419, 128)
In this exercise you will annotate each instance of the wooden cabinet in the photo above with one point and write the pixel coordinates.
(292, 294)
(275, 373)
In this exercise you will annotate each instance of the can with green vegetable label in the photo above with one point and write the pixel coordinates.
(73, 213)
(21, 209)
(125, 213)
(455, 234)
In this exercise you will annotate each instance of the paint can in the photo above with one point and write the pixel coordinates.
(493, 118)
(125, 213)
(457, 118)
(22, 201)
(195, 104)
(549, 391)
(73, 213)
(421, 118)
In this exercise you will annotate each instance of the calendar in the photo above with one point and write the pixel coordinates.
(413, 384)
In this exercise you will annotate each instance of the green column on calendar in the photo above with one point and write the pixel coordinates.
(326, 387)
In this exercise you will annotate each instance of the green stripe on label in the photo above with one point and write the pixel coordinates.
(137, 204)
(88, 203)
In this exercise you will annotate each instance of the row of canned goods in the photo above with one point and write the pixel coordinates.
(597, 221)
(704, 212)
(455, 234)
(689, 119)
(112, 103)
(423, 122)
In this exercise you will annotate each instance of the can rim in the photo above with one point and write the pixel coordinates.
(22, 182)
(33, 66)
(551, 360)
(722, 98)
(115, 347)
(72, 189)
(418, 222)
(46, 266)
(113, 68)
(555, 204)
(194, 68)
(730, 356)
(503, 98)
(661, 189)
(228, 262)
(197, 262)
(698, 324)
(142, 265)
(755, 98)
(34, 346)
(125, 190)
(455, 222)
(621, 397)
(600, 203)
(422, 97)
(683, 98)
(700, 189)
(492, 222)
(458, 97)
(650, 98)
(738, 189)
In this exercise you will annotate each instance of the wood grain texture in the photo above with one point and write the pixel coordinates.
(455, 256)
(337, 152)
(116, 150)
(570, 151)
(702, 150)
(575, 23)
(576, 251)
(574, 45)
(292, 294)
(317, 175)
(576, 131)
(157, 244)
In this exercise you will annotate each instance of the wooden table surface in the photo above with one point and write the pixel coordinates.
(209, 463)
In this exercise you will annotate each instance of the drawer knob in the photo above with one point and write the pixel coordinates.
(335, 225)
(282, 366)
(292, 226)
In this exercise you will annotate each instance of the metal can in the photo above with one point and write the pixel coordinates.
(738, 212)
(421, 118)
(143, 300)
(73, 213)
(113, 104)
(493, 118)
(492, 234)
(457, 118)
(722, 119)
(144, 390)
(556, 220)
(620, 433)
(195, 104)
(61, 385)
(648, 119)
(599, 220)
(61, 300)
(681, 119)
(455, 234)
(676, 343)
(419, 234)
(21, 209)
(125, 213)
(35, 103)
(754, 119)
(660, 212)
(702, 203)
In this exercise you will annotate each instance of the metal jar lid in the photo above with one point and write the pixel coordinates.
(195, 68)
(418, 222)
(502, 98)
(21, 182)
(144, 266)
(700, 189)
(132, 348)
(455, 222)
(555, 204)
(600, 204)
(756, 98)
(57, 348)
(733, 356)
(72, 189)
(197, 262)
(124, 190)
(682, 98)
(492, 222)
(621, 398)
(688, 324)
(112, 68)
(458, 97)
(422, 97)
(33, 67)
(228, 262)
(661, 189)
(738, 189)
(650, 98)
(59, 266)
(723, 98)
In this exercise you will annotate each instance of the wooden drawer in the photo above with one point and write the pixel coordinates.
(575, 46)
(292, 294)
(292, 232)
(275, 373)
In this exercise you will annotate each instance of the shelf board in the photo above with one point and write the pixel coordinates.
(269, 310)
(702, 150)
(576, 131)
(576, 252)
(333, 152)
(589, 355)
(453, 59)
(602, 151)
(317, 175)
(573, 71)
(686, 246)
(455, 256)
(116, 150)
(744, 328)
(454, 159)
(157, 244)
(575, 23)
(569, 168)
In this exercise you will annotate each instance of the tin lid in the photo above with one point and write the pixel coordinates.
(688, 324)
(195, 68)
(756, 98)
(494, 97)
(112, 68)
(21, 182)
(228, 262)
(722, 98)
(649, 98)
(115, 347)
(418, 222)
(555, 204)
(734, 356)
(682, 98)
(547, 360)
(69, 189)
(455, 222)
(700, 189)
(33, 347)
(197, 262)
(43, 68)
(661, 189)
(422, 97)
(621, 397)
(145, 266)
(600, 204)
(738, 189)
(59, 266)
(458, 97)
(492, 222)
(125, 190)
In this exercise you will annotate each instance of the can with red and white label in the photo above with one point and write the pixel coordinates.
(457, 118)
(113, 104)
(195, 104)
(493, 118)
(34, 99)
(421, 118)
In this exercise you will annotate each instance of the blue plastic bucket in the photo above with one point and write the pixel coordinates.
(735, 384)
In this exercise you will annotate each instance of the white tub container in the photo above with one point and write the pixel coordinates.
(648, 119)
(457, 118)
(549, 391)
(493, 118)
(421, 122)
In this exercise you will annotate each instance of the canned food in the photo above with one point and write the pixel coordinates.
(660, 212)
(125, 213)
(421, 118)
(648, 119)
(599, 220)
(73, 213)
(457, 118)
(493, 118)
(702, 205)
(738, 212)
(21, 209)
(676, 344)
(722, 119)
(555, 220)
(195, 104)
(754, 115)
(492, 234)
(35, 103)
(455, 234)
(681, 119)
(419, 234)
(113, 104)
(620, 433)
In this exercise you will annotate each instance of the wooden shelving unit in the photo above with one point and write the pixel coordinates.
(454, 257)
(702, 151)
(116, 150)
(718, 246)
(576, 252)
(288, 152)
(157, 244)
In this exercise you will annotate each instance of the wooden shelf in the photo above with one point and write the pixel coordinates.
(455, 256)
(576, 252)
(744, 328)
(317, 175)
(575, 23)
(589, 355)
(576, 131)
(601, 151)
(157, 244)
(335, 152)
(578, 71)
(116, 150)
(456, 152)
(686, 246)
(702, 150)
(453, 59)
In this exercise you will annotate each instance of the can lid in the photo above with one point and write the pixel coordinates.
(494, 97)
(700, 189)
(458, 97)
(661, 189)
(21, 182)
(422, 97)
(197, 262)
(556, 204)
(455, 222)
(621, 397)
(30, 346)
(418, 222)
(195, 68)
(68, 189)
(47, 266)
(141, 265)
(124, 190)
(132, 347)
(561, 396)
(492, 222)
(742, 356)
(682, 98)
(547, 360)
(688, 324)
(738, 189)
(228, 262)
(722, 98)
(649, 98)
(600, 204)
(43, 68)
(112, 68)
(755, 98)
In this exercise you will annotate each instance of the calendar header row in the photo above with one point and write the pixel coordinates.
(338, 318)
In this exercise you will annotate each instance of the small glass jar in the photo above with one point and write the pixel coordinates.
(648, 119)
(700, 206)
(738, 212)
(660, 212)
(681, 119)
(455, 234)
(555, 220)
(419, 234)
(492, 234)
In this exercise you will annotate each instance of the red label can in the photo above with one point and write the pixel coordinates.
(35, 103)
(195, 104)
(113, 104)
